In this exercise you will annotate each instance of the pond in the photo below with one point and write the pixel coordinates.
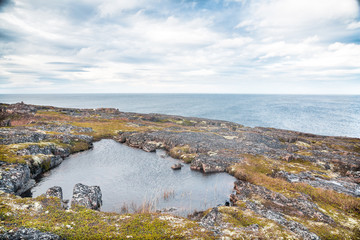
(130, 178)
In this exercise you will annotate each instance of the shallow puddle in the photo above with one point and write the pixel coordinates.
(130, 178)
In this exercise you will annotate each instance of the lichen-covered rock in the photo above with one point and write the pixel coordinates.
(15, 178)
(28, 234)
(55, 191)
(87, 196)
(337, 185)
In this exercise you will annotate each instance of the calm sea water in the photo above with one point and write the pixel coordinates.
(131, 176)
(325, 115)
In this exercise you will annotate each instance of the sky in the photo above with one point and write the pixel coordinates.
(180, 46)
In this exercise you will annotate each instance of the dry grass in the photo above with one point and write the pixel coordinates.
(167, 194)
(255, 172)
(144, 207)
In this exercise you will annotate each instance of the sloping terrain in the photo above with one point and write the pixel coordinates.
(290, 184)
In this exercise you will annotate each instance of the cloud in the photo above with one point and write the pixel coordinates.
(269, 46)
(4, 3)
(288, 19)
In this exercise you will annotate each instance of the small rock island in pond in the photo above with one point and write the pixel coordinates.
(176, 166)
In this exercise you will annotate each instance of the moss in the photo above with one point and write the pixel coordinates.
(239, 218)
(79, 146)
(9, 156)
(46, 164)
(46, 214)
(184, 153)
(105, 128)
(188, 123)
(256, 170)
(304, 153)
(188, 158)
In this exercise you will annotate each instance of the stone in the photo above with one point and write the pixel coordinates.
(15, 178)
(28, 234)
(55, 191)
(87, 196)
(176, 166)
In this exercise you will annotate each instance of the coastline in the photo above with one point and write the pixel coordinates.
(300, 181)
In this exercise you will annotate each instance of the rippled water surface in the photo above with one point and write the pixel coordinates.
(132, 177)
(325, 115)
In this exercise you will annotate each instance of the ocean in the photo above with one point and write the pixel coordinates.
(318, 114)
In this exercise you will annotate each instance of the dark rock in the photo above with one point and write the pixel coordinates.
(28, 234)
(87, 196)
(176, 166)
(5, 123)
(55, 191)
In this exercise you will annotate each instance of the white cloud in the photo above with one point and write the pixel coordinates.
(131, 46)
(353, 25)
(285, 19)
(110, 8)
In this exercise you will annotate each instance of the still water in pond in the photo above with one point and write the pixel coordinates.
(132, 177)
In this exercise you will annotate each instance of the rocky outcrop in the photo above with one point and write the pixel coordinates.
(15, 178)
(274, 206)
(37, 151)
(87, 196)
(28, 234)
(317, 181)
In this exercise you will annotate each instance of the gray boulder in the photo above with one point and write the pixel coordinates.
(55, 191)
(29, 234)
(87, 196)
(15, 178)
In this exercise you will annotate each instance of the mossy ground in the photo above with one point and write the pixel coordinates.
(344, 209)
(46, 214)
(240, 218)
(184, 153)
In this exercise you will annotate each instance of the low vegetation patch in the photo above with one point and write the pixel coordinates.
(257, 170)
(46, 214)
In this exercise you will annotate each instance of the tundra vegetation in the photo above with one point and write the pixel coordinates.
(290, 185)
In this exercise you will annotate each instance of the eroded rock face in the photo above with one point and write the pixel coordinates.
(55, 191)
(28, 234)
(87, 196)
(15, 178)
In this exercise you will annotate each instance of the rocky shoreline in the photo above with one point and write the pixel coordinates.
(290, 184)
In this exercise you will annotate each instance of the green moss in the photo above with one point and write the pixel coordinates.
(79, 146)
(257, 170)
(184, 153)
(238, 218)
(9, 156)
(46, 165)
(46, 214)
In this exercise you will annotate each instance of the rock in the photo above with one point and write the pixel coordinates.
(15, 178)
(55, 191)
(28, 234)
(288, 158)
(149, 147)
(5, 123)
(87, 196)
(176, 166)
